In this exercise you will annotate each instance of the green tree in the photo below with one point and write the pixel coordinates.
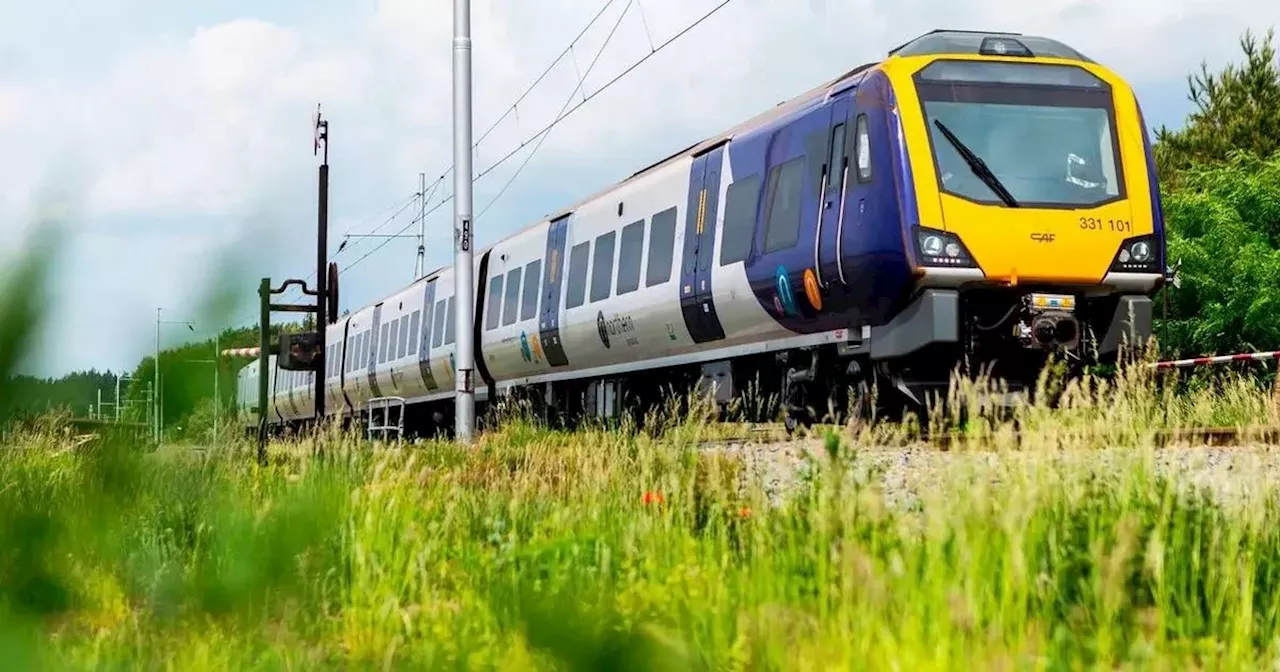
(1224, 225)
(1235, 109)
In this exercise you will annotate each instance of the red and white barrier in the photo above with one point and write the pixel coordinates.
(1220, 359)
(241, 352)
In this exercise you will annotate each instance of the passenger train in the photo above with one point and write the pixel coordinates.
(973, 200)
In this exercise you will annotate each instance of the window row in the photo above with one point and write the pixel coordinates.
(293, 379)
(783, 191)
(512, 303)
(509, 301)
(395, 339)
(630, 248)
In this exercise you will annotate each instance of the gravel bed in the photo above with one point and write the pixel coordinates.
(1237, 474)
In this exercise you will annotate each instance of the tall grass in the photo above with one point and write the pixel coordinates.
(615, 549)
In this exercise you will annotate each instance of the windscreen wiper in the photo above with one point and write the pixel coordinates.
(978, 166)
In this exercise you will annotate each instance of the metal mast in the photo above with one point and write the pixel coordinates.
(465, 402)
(420, 266)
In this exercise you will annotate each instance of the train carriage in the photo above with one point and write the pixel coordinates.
(973, 200)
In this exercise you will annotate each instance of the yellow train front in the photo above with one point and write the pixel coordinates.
(1027, 205)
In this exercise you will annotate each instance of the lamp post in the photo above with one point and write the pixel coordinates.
(159, 421)
(217, 398)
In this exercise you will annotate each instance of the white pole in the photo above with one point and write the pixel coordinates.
(465, 402)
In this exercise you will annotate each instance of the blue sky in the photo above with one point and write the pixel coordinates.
(177, 133)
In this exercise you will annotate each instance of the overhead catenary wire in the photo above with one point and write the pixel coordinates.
(295, 292)
(567, 113)
(582, 79)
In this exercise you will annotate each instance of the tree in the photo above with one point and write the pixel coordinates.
(1224, 224)
(1235, 109)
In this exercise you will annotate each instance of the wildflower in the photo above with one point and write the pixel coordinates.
(744, 512)
(651, 497)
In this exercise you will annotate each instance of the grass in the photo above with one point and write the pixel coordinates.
(614, 549)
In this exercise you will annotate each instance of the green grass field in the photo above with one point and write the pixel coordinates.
(613, 549)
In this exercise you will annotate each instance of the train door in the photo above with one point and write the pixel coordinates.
(832, 219)
(374, 333)
(549, 313)
(866, 228)
(424, 338)
(344, 356)
(696, 303)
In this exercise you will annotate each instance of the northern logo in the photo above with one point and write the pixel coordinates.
(602, 328)
(614, 326)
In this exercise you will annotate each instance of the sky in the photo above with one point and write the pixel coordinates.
(173, 140)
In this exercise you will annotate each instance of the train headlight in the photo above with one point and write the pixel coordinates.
(931, 245)
(942, 248)
(1137, 255)
(1141, 251)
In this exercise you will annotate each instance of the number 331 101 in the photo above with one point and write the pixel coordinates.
(1095, 224)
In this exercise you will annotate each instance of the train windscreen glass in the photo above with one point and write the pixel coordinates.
(1045, 133)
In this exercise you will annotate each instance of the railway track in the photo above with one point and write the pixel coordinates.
(1221, 437)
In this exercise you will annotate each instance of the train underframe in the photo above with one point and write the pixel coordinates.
(1005, 336)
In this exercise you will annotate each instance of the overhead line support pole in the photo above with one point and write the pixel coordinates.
(464, 385)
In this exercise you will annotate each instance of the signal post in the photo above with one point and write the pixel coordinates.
(303, 351)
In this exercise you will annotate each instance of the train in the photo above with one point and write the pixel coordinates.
(975, 201)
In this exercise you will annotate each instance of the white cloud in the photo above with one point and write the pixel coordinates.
(202, 134)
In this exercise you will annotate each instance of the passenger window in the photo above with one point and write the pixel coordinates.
(404, 337)
(602, 267)
(782, 229)
(495, 302)
(511, 302)
(529, 301)
(662, 242)
(835, 165)
(577, 289)
(450, 323)
(437, 331)
(739, 219)
(863, 150)
(629, 254)
(382, 343)
(414, 334)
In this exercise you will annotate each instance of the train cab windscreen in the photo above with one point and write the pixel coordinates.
(1021, 134)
